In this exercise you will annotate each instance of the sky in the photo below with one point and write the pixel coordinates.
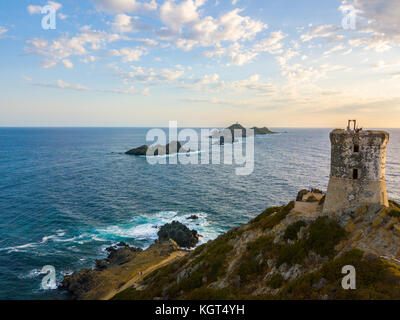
(203, 63)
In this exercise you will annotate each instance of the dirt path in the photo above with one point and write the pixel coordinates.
(139, 276)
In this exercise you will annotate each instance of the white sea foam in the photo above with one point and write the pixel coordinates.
(149, 226)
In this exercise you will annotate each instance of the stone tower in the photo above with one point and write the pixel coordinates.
(357, 176)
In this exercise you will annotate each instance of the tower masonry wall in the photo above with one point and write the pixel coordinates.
(357, 169)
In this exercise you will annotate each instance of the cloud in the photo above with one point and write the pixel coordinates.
(129, 6)
(241, 55)
(58, 49)
(150, 75)
(32, 9)
(377, 24)
(128, 54)
(186, 28)
(3, 31)
(323, 31)
(68, 64)
(383, 64)
(272, 44)
(339, 47)
(122, 23)
(60, 84)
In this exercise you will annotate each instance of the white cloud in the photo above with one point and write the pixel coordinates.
(323, 31)
(186, 28)
(122, 23)
(242, 54)
(64, 85)
(272, 44)
(3, 31)
(129, 6)
(128, 54)
(60, 84)
(339, 47)
(34, 9)
(68, 64)
(61, 48)
(384, 64)
(147, 75)
(289, 54)
(88, 59)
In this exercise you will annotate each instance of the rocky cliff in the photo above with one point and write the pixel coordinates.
(286, 253)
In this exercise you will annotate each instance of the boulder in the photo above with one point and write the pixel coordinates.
(117, 255)
(178, 232)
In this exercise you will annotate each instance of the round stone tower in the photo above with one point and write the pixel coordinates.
(357, 176)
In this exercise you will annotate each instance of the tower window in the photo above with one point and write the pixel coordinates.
(355, 174)
(356, 148)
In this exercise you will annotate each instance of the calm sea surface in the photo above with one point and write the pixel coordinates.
(68, 193)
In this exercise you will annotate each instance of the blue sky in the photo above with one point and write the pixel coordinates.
(200, 62)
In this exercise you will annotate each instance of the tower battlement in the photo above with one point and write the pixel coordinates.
(358, 159)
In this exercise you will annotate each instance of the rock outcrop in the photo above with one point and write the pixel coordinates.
(158, 150)
(178, 232)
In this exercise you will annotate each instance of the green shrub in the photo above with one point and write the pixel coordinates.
(248, 268)
(292, 254)
(394, 213)
(276, 281)
(271, 221)
(324, 235)
(266, 213)
(293, 229)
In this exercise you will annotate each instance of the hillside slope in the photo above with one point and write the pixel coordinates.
(284, 254)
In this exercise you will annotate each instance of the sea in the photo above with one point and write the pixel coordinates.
(66, 194)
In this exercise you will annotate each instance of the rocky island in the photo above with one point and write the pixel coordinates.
(158, 150)
(230, 131)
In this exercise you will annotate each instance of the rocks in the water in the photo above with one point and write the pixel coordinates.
(158, 150)
(193, 217)
(141, 151)
(178, 232)
(262, 131)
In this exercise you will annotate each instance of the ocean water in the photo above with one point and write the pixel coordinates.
(68, 193)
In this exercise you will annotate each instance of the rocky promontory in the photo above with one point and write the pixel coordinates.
(124, 264)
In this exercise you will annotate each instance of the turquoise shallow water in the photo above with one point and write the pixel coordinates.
(68, 193)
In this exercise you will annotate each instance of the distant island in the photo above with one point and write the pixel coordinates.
(158, 150)
(237, 126)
